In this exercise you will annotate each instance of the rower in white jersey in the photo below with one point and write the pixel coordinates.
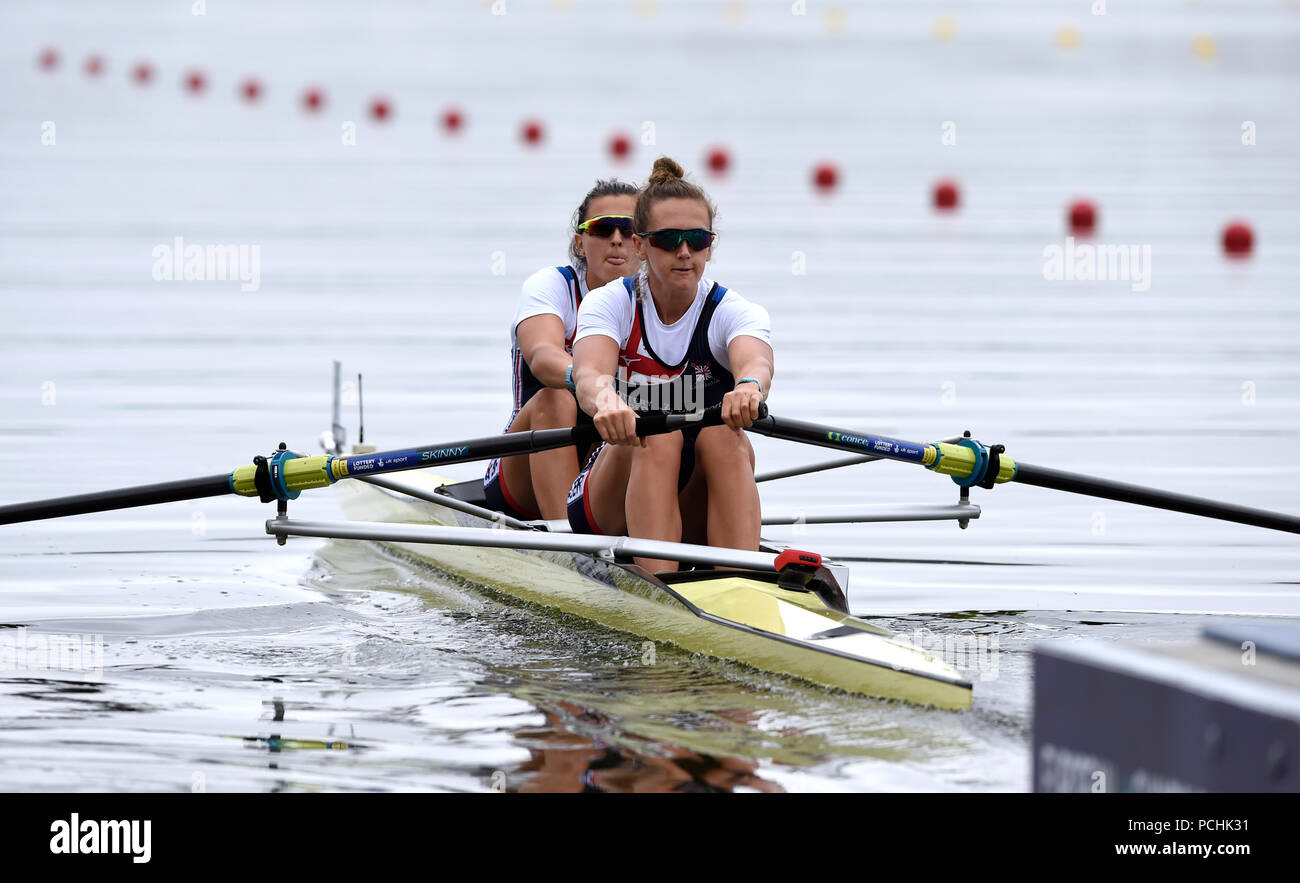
(541, 346)
(669, 339)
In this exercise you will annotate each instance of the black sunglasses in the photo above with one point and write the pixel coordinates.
(669, 239)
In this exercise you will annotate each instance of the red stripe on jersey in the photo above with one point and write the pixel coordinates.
(637, 362)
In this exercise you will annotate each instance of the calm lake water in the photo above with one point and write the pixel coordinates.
(230, 663)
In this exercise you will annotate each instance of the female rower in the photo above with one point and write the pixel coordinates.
(670, 327)
(541, 342)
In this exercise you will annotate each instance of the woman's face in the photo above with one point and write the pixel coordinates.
(676, 272)
(612, 258)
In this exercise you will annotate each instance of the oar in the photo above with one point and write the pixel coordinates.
(822, 467)
(970, 463)
(284, 474)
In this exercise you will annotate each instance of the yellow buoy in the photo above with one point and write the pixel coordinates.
(646, 8)
(944, 27)
(834, 19)
(1204, 47)
(734, 12)
(1067, 36)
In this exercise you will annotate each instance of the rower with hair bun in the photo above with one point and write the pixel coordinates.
(670, 339)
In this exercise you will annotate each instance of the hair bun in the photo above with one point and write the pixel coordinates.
(667, 181)
(665, 169)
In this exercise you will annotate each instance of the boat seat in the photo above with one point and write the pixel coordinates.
(466, 491)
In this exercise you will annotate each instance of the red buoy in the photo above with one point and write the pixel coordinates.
(1238, 239)
(313, 99)
(946, 195)
(620, 145)
(718, 160)
(380, 109)
(826, 177)
(452, 120)
(251, 89)
(49, 59)
(532, 132)
(94, 65)
(196, 82)
(142, 73)
(1083, 217)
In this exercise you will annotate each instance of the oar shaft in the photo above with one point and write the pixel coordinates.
(878, 446)
(829, 464)
(508, 445)
(1055, 479)
(284, 475)
(318, 471)
(125, 498)
(969, 462)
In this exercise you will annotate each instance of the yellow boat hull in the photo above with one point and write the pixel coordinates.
(735, 615)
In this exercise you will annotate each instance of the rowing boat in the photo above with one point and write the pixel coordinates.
(776, 609)
(792, 620)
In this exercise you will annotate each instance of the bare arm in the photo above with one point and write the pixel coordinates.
(541, 341)
(750, 357)
(595, 359)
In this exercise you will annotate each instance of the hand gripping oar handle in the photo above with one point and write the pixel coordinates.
(658, 422)
(284, 475)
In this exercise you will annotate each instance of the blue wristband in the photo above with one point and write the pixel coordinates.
(568, 378)
(751, 380)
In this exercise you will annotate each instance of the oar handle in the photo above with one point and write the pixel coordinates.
(652, 423)
(660, 423)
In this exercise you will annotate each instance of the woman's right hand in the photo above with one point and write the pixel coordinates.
(615, 420)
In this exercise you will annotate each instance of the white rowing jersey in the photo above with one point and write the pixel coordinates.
(550, 291)
(611, 310)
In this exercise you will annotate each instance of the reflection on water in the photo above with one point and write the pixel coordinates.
(382, 675)
(607, 722)
(276, 743)
(566, 760)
